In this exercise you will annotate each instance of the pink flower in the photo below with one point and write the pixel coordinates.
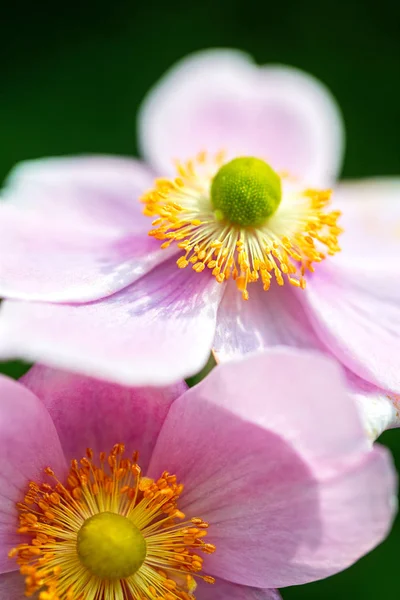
(290, 487)
(87, 289)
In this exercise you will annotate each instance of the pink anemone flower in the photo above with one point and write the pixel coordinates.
(226, 490)
(233, 253)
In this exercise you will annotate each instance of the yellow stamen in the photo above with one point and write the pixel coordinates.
(65, 558)
(283, 248)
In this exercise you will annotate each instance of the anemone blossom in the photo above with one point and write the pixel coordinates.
(227, 490)
(237, 250)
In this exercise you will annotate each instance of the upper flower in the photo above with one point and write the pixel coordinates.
(227, 217)
(221, 491)
(79, 267)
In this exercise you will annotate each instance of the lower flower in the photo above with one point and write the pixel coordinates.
(109, 533)
(227, 469)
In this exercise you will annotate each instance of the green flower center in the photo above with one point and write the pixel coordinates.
(246, 192)
(111, 546)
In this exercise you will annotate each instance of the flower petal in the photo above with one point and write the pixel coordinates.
(266, 320)
(378, 409)
(99, 191)
(28, 444)
(57, 263)
(91, 413)
(224, 590)
(12, 586)
(67, 235)
(276, 460)
(219, 99)
(370, 219)
(362, 326)
(155, 332)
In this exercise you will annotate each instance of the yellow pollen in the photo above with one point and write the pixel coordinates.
(300, 233)
(109, 532)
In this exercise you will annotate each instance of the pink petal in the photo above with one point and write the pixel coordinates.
(89, 413)
(12, 586)
(155, 332)
(272, 454)
(266, 320)
(361, 327)
(370, 219)
(378, 409)
(219, 99)
(70, 232)
(41, 260)
(357, 509)
(99, 191)
(223, 590)
(28, 444)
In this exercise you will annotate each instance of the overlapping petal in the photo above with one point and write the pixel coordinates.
(93, 191)
(287, 474)
(278, 318)
(355, 310)
(12, 586)
(224, 590)
(91, 413)
(158, 330)
(268, 319)
(71, 230)
(378, 409)
(370, 219)
(28, 440)
(219, 99)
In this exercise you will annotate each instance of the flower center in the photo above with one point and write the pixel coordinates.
(245, 191)
(109, 532)
(111, 546)
(242, 221)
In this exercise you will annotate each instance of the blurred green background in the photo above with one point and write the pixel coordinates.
(73, 76)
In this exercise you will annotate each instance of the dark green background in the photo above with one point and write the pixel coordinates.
(73, 77)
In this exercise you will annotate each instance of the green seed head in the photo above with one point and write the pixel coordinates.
(110, 546)
(246, 192)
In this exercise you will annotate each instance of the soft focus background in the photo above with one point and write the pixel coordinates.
(73, 76)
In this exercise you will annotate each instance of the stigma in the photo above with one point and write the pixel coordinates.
(243, 221)
(109, 532)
